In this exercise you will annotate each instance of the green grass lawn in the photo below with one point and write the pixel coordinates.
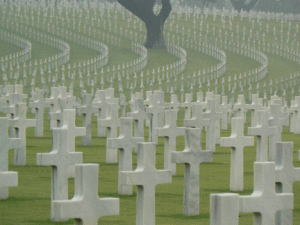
(29, 203)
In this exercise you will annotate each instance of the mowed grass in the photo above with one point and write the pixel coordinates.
(29, 203)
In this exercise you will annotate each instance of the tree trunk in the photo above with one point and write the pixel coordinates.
(155, 34)
(154, 23)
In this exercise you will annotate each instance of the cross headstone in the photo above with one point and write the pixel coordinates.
(277, 119)
(170, 131)
(87, 111)
(146, 177)
(99, 104)
(139, 115)
(39, 104)
(286, 175)
(85, 207)
(192, 157)
(214, 116)
(54, 105)
(237, 141)
(256, 104)
(20, 124)
(125, 142)
(264, 202)
(112, 123)
(68, 122)
(240, 108)
(262, 131)
(154, 110)
(224, 209)
(187, 104)
(11, 178)
(59, 159)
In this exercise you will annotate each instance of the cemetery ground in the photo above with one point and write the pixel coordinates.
(29, 202)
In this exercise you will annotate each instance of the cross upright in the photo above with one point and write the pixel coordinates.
(170, 131)
(286, 175)
(54, 105)
(256, 104)
(237, 141)
(146, 177)
(6, 144)
(192, 157)
(87, 110)
(154, 110)
(214, 116)
(99, 104)
(60, 159)
(20, 124)
(39, 104)
(125, 142)
(112, 123)
(240, 107)
(68, 122)
(295, 112)
(264, 202)
(110, 96)
(277, 119)
(225, 107)
(139, 115)
(123, 104)
(262, 131)
(175, 104)
(85, 207)
(187, 104)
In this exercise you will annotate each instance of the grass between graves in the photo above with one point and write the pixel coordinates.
(29, 203)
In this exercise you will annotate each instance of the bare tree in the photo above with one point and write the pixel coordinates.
(143, 9)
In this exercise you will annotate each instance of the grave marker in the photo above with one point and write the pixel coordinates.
(125, 142)
(237, 141)
(85, 207)
(192, 157)
(146, 177)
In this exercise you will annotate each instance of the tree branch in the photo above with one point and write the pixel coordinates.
(165, 11)
(143, 9)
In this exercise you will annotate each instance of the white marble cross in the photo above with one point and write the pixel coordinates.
(87, 111)
(85, 207)
(256, 104)
(60, 159)
(154, 110)
(174, 104)
(286, 175)
(146, 177)
(170, 131)
(68, 122)
(240, 108)
(54, 106)
(192, 157)
(139, 115)
(187, 104)
(99, 104)
(39, 104)
(112, 123)
(11, 178)
(264, 202)
(262, 131)
(125, 142)
(20, 124)
(226, 111)
(277, 119)
(224, 209)
(237, 141)
(214, 116)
